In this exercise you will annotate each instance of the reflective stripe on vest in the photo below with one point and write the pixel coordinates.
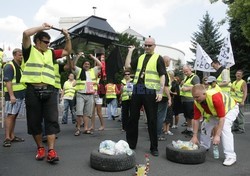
(236, 92)
(57, 76)
(187, 83)
(80, 84)
(227, 88)
(110, 91)
(39, 68)
(229, 103)
(15, 86)
(69, 90)
(125, 94)
(152, 79)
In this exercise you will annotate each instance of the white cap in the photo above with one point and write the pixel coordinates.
(211, 79)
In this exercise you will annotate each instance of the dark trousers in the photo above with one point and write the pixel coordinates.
(125, 113)
(150, 106)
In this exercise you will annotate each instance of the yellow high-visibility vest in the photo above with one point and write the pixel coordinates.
(57, 76)
(110, 90)
(237, 93)
(80, 84)
(228, 101)
(187, 83)
(39, 68)
(125, 94)
(15, 86)
(152, 79)
(227, 88)
(217, 88)
(69, 90)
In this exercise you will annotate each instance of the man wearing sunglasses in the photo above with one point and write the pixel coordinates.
(148, 88)
(41, 97)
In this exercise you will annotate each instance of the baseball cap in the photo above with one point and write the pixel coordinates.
(211, 79)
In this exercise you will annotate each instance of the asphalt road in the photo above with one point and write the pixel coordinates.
(74, 153)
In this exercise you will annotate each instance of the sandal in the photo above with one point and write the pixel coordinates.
(7, 143)
(87, 132)
(17, 139)
(101, 129)
(78, 132)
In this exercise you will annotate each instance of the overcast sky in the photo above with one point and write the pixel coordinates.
(170, 22)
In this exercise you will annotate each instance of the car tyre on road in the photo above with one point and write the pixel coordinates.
(111, 163)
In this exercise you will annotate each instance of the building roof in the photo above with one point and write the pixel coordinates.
(93, 28)
(133, 33)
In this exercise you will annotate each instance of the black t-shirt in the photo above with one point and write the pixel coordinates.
(160, 66)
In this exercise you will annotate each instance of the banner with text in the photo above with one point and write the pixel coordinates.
(203, 61)
(226, 57)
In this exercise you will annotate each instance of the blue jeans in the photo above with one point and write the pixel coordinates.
(69, 104)
(161, 115)
(111, 108)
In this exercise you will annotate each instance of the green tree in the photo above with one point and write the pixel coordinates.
(239, 10)
(208, 37)
(239, 22)
(241, 50)
(178, 69)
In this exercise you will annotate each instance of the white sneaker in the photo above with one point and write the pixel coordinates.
(169, 133)
(229, 161)
(174, 127)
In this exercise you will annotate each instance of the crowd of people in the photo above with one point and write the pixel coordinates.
(33, 78)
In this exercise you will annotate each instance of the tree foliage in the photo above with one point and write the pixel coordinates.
(209, 39)
(241, 50)
(240, 10)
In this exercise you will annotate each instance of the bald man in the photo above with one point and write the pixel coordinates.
(217, 109)
(164, 103)
(187, 100)
(148, 83)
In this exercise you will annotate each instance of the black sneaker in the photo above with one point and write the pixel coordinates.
(185, 131)
(154, 152)
(189, 134)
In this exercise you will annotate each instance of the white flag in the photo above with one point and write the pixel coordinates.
(226, 57)
(203, 61)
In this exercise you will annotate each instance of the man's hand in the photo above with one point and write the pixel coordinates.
(242, 104)
(195, 140)
(46, 26)
(65, 33)
(216, 139)
(12, 99)
(169, 102)
(131, 48)
(80, 54)
(184, 89)
(158, 97)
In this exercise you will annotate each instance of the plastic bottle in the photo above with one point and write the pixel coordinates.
(216, 151)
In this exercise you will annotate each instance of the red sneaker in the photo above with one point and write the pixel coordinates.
(40, 153)
(52, 156)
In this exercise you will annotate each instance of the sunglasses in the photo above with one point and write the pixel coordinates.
(46, 42)
(148, 46)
